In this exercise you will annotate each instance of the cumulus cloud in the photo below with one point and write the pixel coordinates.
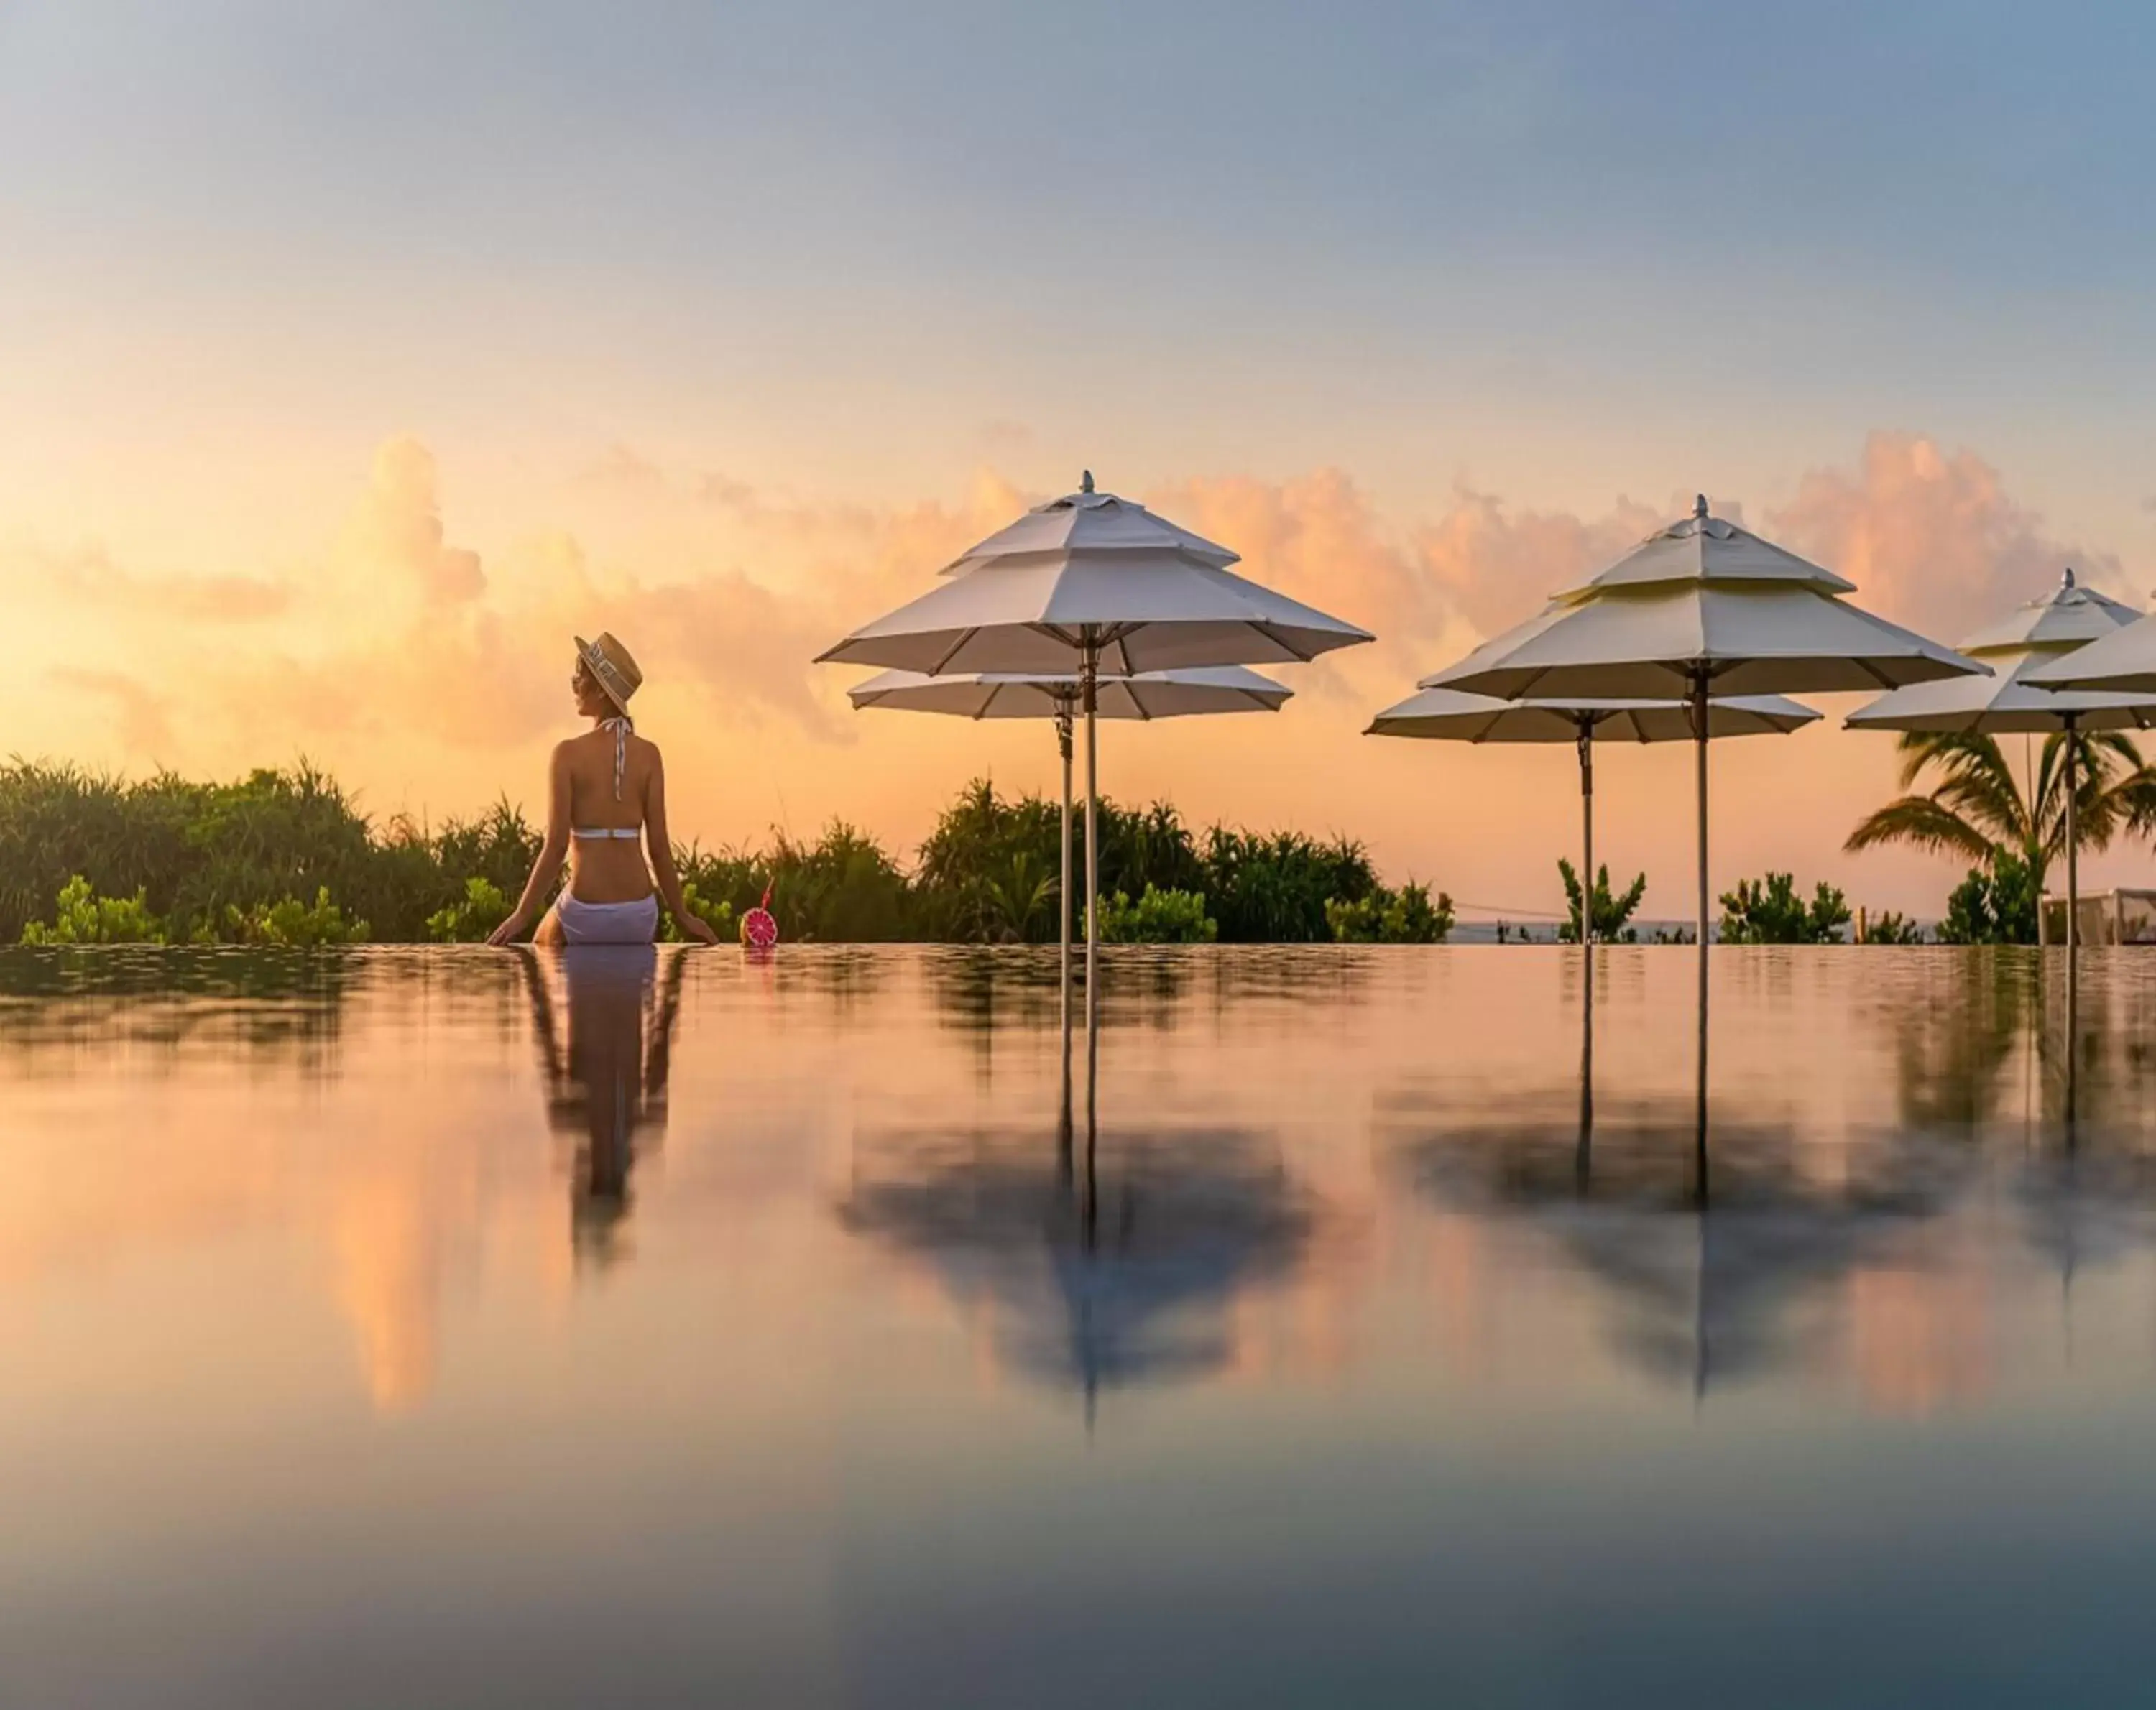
(87, 575)
(1318, 537)
(396, 638)
(1932, 538)
(1496, 566)
(439, 651)
(396, 526)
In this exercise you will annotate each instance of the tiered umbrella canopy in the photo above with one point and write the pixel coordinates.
(1450, 715)
(1099, 583)
(2122, 662)
(1156, 694)
(1702, 608)
(2045, 639)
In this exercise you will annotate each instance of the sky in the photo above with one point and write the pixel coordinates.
(354, 357)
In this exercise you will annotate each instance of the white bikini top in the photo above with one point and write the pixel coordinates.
(621, 727)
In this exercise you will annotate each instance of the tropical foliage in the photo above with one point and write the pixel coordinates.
(1978, 808)
(87, 857)
(1890, 928)
(1405, 916)
(81, 916)
(1995, 904)
(484, 906)
(1612, 913)
(1769, 911)
(1157, 917)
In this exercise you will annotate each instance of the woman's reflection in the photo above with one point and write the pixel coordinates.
(607, 1083)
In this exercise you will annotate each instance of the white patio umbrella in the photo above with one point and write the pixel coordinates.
(1702, 608)
(1450, 715)
(2045, 638)
(1156, 694)
(1099, 583)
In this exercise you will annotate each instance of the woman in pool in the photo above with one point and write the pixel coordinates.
(607, 801)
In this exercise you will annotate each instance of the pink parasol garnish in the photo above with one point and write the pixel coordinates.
(758, 930)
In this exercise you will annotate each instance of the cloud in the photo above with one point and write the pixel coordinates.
(1318, 539)
(485, 663)
(142, 716)
(88, 575)
(396, 526)
(625, 469)
(1932, 538)
(1495, 567)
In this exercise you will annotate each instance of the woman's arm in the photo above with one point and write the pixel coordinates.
(661, 848)
(539, 889)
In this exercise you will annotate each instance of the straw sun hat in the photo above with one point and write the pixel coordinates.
(612, 666)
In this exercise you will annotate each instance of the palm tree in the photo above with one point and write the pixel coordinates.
(1978, 806)
(1011, 904)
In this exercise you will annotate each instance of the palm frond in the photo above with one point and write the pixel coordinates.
(1926, 823)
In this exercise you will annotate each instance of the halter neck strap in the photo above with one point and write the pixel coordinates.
(621, 726)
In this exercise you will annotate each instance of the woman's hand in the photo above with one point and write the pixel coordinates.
(507, 932)
(696, 927)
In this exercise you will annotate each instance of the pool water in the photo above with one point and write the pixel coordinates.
(464, 1327)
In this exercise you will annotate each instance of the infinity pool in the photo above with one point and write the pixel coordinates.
(459, 1328)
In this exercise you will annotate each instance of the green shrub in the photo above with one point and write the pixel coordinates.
(1405, 916)
(1892, 929)
(81, 916)
(483, 908)
(1770, 912)
(292, 925)
(1994, 904)
(1611, 914)
(1157, 917)
(1275, 888)
(718, 915)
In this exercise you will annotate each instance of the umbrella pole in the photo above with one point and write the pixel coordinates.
(1586, 955)
(1090, 683)
(1699, 748)
(2073, 877)
(2073, 850)
(1587, 833)
(1063, 880)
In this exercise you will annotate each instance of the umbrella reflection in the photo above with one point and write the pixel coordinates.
(1706, 1251)
(606, 1081)
(1106, 1267)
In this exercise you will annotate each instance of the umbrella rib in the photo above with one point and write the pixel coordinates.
(1876, 675)
(964, 635)
(1281, 642)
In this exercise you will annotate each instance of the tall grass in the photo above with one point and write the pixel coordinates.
(213, 861)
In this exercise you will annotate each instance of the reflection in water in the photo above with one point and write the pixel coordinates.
(1706, 1270)
(1100, 1275)
(1389, 1232)
(272, 1001)
(607, 1080)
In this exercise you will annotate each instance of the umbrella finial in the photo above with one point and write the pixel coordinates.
(2067, 579)
(1085, 480)
(1699, 507)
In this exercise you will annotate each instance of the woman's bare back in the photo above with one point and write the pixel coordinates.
(608, 869)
